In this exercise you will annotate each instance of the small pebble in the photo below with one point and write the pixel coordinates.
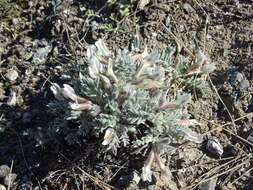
(4, 170)
(12, 99)
(11, 75)
(209, 185)
(136, 177)
(188, 8)
(40, 56)
(244, 84)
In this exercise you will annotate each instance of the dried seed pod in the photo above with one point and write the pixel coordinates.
(210, 185)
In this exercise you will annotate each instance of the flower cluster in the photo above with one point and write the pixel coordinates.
(128, 99)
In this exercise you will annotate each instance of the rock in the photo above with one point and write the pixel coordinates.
(26, 186)
(238, 80)
(188, 8)
(12, 99)
(244, 84)
(9, 179)
(41, 54)
(4, 170)
(2, 187)
(11, 75)
(136, 177)
(210, 185)
(214, 146)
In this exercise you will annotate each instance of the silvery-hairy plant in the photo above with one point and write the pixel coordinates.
(129, 99)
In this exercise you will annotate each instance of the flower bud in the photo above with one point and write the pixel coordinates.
(56, 89)
(109, 134)
(111, 73)
(83, 106)
(102, 48)
(146, 170)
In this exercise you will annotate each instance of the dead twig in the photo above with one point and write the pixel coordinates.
(218, 175)
(121, 167)
(97, 181)
(237, 179)
(178, 40)
(216, 91)
(23, 155)
(242, 139)
(220, 127)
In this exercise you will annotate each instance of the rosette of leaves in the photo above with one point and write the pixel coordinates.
(127, 99)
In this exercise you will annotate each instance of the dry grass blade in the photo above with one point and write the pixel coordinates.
(222, 127)
(219, 127)
(220, 167)
(120, 168)
(97, 181)
(242, 139)
(221, 172)
(10, 181)
(178, 40)
(237, 179)
(216, 91)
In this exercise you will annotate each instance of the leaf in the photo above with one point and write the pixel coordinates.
(149, 84)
